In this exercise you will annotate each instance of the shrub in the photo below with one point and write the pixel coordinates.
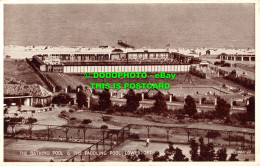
(179, 111)
(165, 114)
(110, 110)
(242, 117)
(38, 105)
(63, 114)
(225, 65)
(233, 157)
(86, 121)
(73, 118)
(95, 107)
(5, 110)
(246, 82)
(106, 118)
(217, 63)
(197, 72)
(22, 131)
(180, 116)
(227, 121)
(31, 120)
(210, 115)
(143, 110)
(203, 99)
(63, 111)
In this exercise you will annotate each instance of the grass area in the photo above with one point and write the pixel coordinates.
(240, 71)
(21, 70)
(63, 80)
(222, 81)
(246, 67)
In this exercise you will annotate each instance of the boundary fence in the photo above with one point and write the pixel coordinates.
(105, 140)
(102, 147)
(242, 140)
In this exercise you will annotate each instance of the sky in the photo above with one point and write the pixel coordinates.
(141, 25)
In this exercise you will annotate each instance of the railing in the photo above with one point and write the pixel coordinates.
(122, 62)
(106, 140)
(102, 147)
(182, 134)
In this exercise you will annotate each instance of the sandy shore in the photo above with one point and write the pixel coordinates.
(21, 52)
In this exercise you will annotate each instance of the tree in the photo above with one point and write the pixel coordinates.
(13, 122)
(5, 110)
(80, 87)
(83, 125)
(190, 106)
(132, 101)
(222, 154)
(142, 157)
(207, 152)
(171, 150)
(233, 157)
(194, 150)
(222, 108)
(170, 154)
(69, 89)
(137, 156)
(103, 130)
(250, 108)
(233, 74)
(160, 104)
(6, 124)
(81, 98)
(30, 122)
(104, 100)
(66, 129)
(61, 98)
(178, 156)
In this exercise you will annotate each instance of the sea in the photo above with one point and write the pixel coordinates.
(141, 25)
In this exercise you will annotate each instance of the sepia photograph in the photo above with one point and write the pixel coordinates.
(129, 82)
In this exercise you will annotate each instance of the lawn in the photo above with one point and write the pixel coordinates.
(63, 80)
(21, 70)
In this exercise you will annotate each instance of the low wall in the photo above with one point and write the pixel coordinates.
(44, 79)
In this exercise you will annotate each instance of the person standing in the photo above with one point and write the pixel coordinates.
(147, 142)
